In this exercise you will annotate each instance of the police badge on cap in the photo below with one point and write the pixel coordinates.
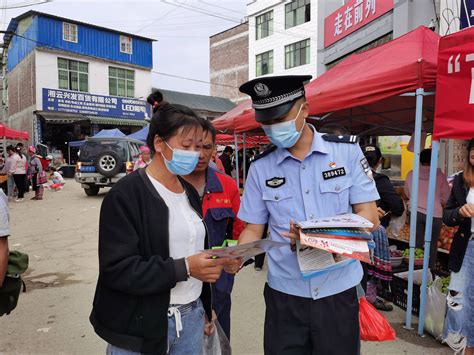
(273, 96)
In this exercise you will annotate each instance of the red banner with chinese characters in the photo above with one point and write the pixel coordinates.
(352, 16)
(454, 113)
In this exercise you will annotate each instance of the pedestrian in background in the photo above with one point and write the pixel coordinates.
(226, 159)
(220, 204)
(145, 158)
(441, 196)
(4, 233)
(18, 171)
(8, 166)
(20, 148)
(459, 211)
(35, 170)
(154, 294)
(389, 204)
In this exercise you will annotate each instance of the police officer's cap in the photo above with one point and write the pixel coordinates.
(273, 96)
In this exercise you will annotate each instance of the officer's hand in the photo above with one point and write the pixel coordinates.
(294, 232)
(203, 267)
(467, 211)
(233, 266)
(381, 213)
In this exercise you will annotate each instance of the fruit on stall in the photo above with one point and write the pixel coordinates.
(419, 253)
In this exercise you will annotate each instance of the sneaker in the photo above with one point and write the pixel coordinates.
(19, 200)
(257, 268)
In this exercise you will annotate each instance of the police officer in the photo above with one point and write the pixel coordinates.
(306, 175)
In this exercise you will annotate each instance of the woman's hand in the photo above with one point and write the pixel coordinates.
(381, 213)
(209, 327)
(467, 211)
(203, 267)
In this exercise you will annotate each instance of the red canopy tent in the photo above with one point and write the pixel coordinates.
(363, 91)
(9, 133)
(250, 141)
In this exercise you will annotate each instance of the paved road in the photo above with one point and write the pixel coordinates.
(60, 235)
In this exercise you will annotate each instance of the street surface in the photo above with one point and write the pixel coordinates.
(60, 235)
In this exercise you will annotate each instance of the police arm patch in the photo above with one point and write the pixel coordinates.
(366, 167)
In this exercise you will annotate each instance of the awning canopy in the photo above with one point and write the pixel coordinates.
(363, 91)
(140, 135)
(250, 141)
(65, 118)
(9, 133)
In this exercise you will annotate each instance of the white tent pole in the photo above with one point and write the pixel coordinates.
(414, 204)
(244, 163)
(428, 230)
(236, 142)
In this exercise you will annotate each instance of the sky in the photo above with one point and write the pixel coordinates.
(181, 29)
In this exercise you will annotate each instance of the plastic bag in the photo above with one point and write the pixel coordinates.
(435, 309)
(373, 325)
(396, 224)
(217, 343)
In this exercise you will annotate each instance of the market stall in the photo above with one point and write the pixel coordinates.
(9, 133)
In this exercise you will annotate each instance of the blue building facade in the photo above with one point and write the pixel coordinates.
(46, 31)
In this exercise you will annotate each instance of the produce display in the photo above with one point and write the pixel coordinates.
(445, 238)
(396, 253)
(418, 253)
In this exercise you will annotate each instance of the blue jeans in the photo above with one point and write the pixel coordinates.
(10, 186)
(459, 323)
(191, 336)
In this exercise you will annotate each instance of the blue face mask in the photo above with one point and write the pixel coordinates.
(183, 162)
(284, 134)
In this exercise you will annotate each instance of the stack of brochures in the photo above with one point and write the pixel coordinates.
(329, 243)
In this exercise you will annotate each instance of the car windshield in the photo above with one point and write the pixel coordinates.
(93, 148)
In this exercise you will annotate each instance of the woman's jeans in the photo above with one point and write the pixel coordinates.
(190, 319)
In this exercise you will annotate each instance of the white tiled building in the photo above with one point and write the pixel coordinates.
(282, 37)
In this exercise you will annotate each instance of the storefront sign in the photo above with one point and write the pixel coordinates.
(37, 133)
(97, 105)
(467, 13)
(455, 86)
(352, 16)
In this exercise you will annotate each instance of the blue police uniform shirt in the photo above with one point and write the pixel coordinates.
(280, 187)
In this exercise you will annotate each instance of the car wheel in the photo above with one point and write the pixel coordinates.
(92, 190)
(108, 163)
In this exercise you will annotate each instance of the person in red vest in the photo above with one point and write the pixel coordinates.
(220, 204)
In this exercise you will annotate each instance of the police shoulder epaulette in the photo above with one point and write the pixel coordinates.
(267, 151)
(352, 139)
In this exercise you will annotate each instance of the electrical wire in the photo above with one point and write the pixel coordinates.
(153, 71)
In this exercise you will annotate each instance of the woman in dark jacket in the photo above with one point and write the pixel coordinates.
(153, 292)
(459, 211)
(390, 204)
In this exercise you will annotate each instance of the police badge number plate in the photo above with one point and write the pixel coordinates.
(275, 182)
(367, 170)
(334, 173)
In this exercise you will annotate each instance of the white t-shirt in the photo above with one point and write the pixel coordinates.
(470, 199)
(58, 176)
(186, 238)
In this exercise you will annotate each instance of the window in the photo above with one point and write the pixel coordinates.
(264, 63)
(73, 75)
(297, 12)
(126, 44)
(264, 25)
(297, 54)
(121, 82)
(69, 32)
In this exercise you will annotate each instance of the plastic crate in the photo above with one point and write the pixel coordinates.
(399, 288)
